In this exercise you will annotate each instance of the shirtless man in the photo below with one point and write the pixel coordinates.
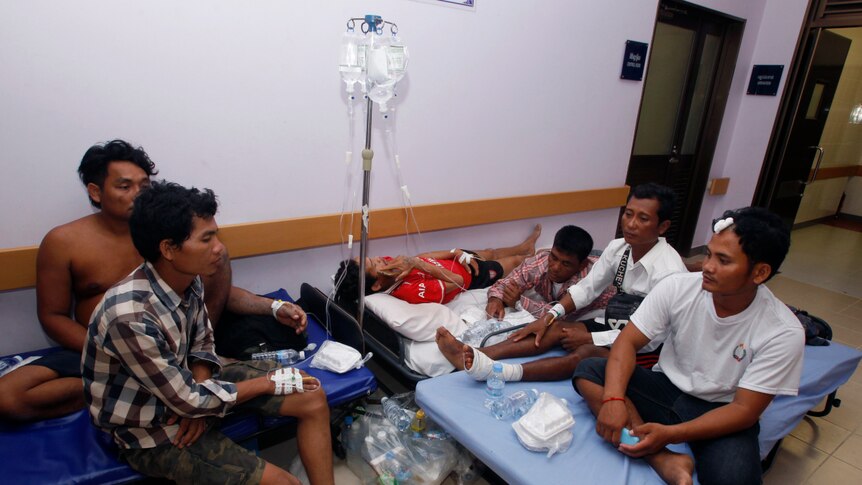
(78, 261)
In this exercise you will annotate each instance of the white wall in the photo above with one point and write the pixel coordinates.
(508, 98)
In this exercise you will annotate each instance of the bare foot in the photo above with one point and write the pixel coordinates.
(451, 348)
(468, 357)
(528, 247)
(673, 468)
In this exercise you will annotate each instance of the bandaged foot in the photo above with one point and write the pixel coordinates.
(479, 366)
(289, 380)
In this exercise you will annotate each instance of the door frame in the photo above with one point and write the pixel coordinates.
(821, 14)
(712, 119)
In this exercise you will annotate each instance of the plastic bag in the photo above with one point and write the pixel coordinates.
(546, 425)
(429, 455)
(353, 438)
(337, 357)
(433, 456)
(468, 469)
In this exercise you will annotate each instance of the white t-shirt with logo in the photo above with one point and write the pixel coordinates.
(759, 349)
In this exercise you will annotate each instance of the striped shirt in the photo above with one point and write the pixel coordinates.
(141, 340)
(533, 274)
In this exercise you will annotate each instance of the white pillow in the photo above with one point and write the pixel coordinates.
(416, 321)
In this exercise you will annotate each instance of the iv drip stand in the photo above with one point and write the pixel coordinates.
(370, 24)
(367, 156)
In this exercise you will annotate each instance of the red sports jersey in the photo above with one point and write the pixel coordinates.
(420, 287)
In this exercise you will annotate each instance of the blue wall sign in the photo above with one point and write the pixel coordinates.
(634, 60)
(765, 79)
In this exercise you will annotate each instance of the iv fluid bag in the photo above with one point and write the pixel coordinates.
(387, 64)
(351, 62)
(377, 60)
(397, 57)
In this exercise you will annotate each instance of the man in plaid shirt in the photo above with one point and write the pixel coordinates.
(549, 274)
(151, 375)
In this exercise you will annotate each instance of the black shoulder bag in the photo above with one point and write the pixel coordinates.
(622, 305)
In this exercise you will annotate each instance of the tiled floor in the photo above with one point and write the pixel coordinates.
(820, 275)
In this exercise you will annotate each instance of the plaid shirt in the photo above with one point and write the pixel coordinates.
(140, 343)
(533, 273)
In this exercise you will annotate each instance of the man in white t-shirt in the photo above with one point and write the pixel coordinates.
(649, 260)
(730, 346)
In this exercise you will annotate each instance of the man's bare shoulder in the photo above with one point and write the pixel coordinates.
(72, 231)
(89, 248)
(67, 238)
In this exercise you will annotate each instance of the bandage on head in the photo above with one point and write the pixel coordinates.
(722, 224)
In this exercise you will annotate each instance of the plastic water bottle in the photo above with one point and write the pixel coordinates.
(283, 357)
(627, 438)
(393, 471)
(418, 423)
(346, 442)
(473, 336)
(395, 414)
(515, 405)
(494, 385)
(7, 363)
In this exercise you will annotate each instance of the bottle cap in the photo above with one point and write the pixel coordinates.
(498, 367)
(301, 355)
(381, 435)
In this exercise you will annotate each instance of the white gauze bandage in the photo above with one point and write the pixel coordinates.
(722, 224)
(483, 366)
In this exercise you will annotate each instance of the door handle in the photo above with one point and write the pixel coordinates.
(817, 165)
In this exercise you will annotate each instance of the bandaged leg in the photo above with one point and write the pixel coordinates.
(484, 365)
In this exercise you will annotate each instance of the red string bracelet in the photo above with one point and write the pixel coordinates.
(613, 399)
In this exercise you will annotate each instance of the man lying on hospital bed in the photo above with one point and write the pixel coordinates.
(645, 219)
(433, 277)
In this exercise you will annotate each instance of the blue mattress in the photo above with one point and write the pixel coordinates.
(455, 402)
(71, 450)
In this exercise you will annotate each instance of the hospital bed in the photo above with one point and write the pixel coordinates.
(388, 347)
(455, 402)
(71, 450)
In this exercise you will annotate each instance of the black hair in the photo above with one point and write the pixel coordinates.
(165, 211)
(664, 195)
(764, 237)
(574, 241)
(347, 285)
(94, 166)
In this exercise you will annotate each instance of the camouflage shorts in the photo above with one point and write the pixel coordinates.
(249, 369)
(213, 458)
